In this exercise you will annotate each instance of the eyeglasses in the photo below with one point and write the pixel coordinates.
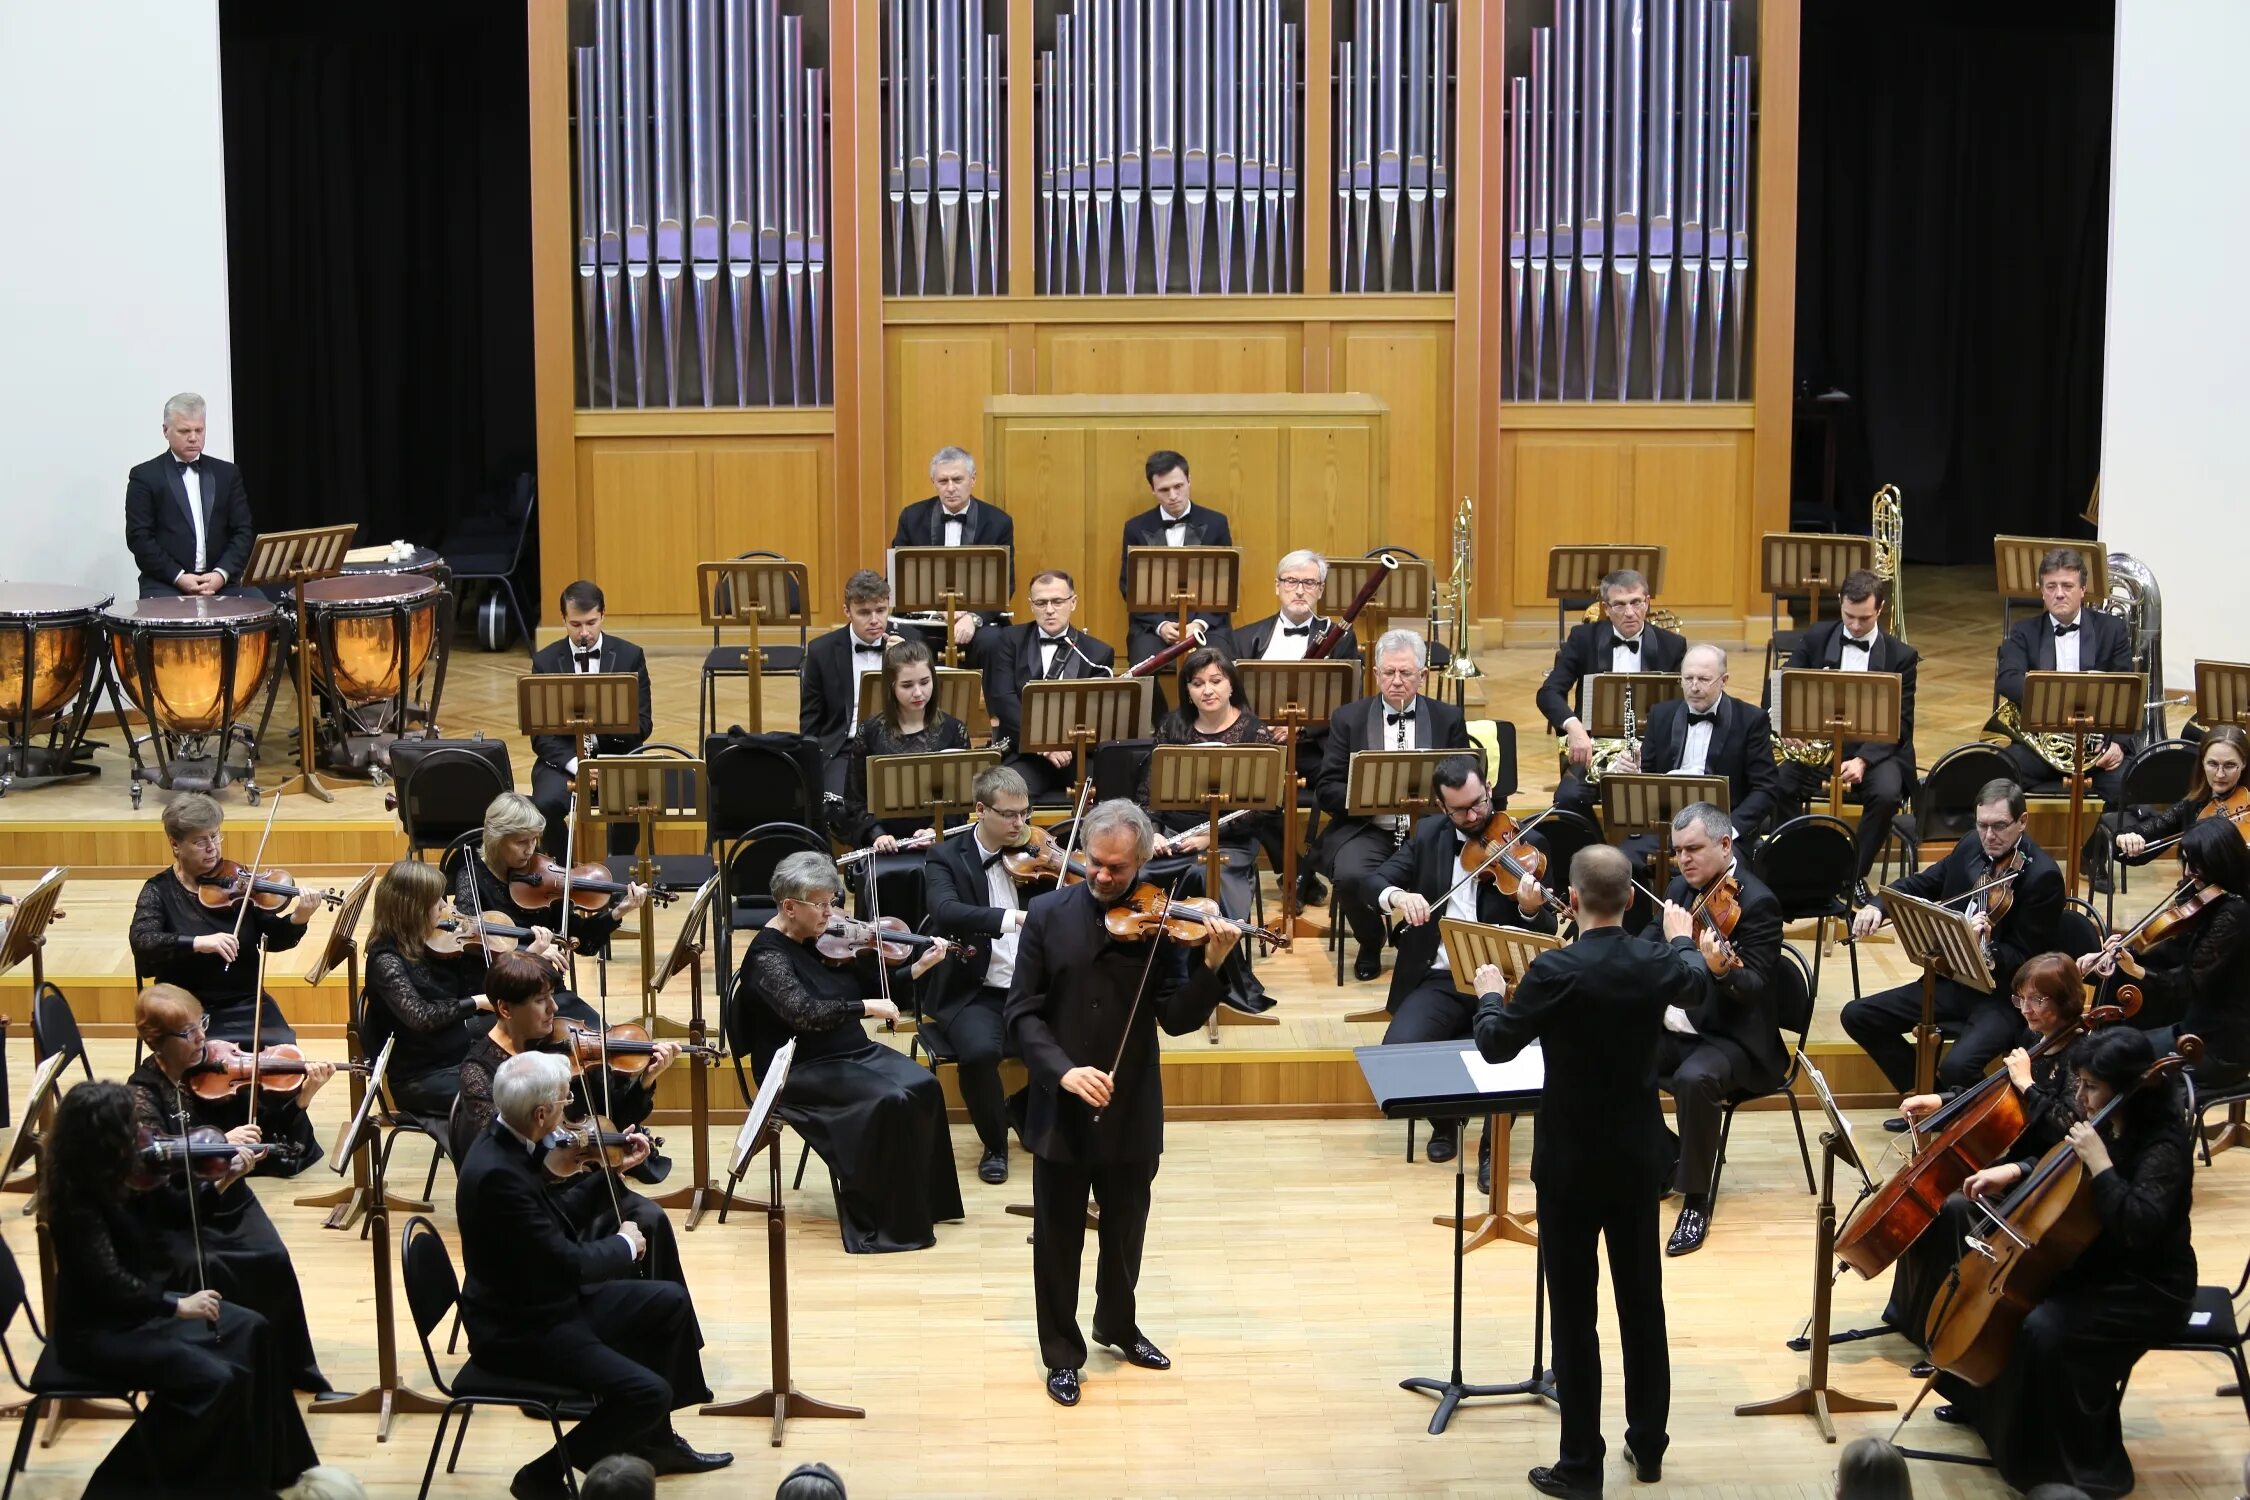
(1055, 603)
(1300, 584)
(1479, 805)
(194, 1031)
(1626, 606)
(1984, 827)
(2026, 1002)
(1012, 814)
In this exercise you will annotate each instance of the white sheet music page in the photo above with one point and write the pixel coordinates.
(1525, 1073)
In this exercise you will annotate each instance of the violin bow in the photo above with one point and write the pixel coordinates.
(609, 1084)
(1077, 815)
(1132, 1013)
(187, 1173)
(250, 878)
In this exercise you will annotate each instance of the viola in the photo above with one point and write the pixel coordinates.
(279, 1069)
(1039, 858)
(544, 880)
(2003, 896)
(2173, 918)
(203, 1152)
(1716, 910)
(625, 1047)
(1146, 911)
(610, 1144)
(845, 939)
(269, 890)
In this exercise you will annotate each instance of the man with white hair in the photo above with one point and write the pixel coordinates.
(187, 519)
(954, 517)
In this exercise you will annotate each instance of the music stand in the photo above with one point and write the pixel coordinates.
(1078, 713)
(1292, 695)
(954, 579)
(687, 955)
(2079, 704)
(1816, 1398)
(1839, 706)
(342, 949)
(1405, 595)
(754, 592)
(1215, 780)
(1603, 698)
(1645, 802)
(2015, 562)
(761, 1130)
(1808, 562)
(644, 790)
(2222, 692)
(290, 560)
(1575, 573)
(1181, 581)
(1940, 940)
(1469, 946)
(25, 937)
(1388, 784)
(579, 706)
(958, 690)
(37, 1111)
(929, 785)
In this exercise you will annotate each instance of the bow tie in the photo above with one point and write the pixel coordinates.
(1623, 644)
(585, 653)
(994, 858)
(1054, 640)
(1709, 717)
(2063, 630)
(189, 465)
(1398, 718)
(1296, 629)
(876, 646)
(1867, 645)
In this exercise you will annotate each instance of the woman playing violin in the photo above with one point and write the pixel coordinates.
(173, 1027)
(2215, 788)
(179, 937)
(876, 1117)
(218, 1418)
(910, 724)
(425, 990)
(2052, 1415)
(2197, 978)
(513, 826)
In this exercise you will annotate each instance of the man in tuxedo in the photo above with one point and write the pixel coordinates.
(1730, 1037)
(1417, 886)
(1709, 733)
(586, 650)
(1047, 647)
(1624, 641)
(187, 518)
(973, 898)
(1083, 1011)
(1398, 717)
(1988, 1024)
(1175, 521)
(2068, 637)
(828, 686)
(954, 517)
(1878, 777)
(540, 1303)
(1597, 1010)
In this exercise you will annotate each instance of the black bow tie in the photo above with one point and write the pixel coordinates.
(1398, 718)
(585, 653)
(876, 647)
(1709, 717)
(2063, 630)
(1633, 646)
(1054, 640)
(994, 858)
(1867, 645)
(189, 465)
(1296, 630)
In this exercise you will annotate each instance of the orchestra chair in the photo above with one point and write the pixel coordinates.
(488, 547)
(1794, 1009)
(731, 1003)
(746, 865)
(2157, 776)
(433, 1290)
(1811, 864)
(444, 794)
(755, 779)
(2235, 1100)
(50, 1380)
(1945, 804)
(54, 1028)
(2213, 1327)
(724, 661)
(393, 1121)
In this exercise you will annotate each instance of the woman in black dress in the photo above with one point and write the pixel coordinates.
(2196, 982)
(910, 724)
(513, 826)
(174, 1029)
(876, 1118)
(176, 939)
(2052, 1414)
(2219, 763)
(428, 1004)
(219, 1418)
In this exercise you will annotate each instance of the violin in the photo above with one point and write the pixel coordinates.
(207, 1155)
(625, 1047)
(269, 890)
(1501, 855)
(611, 1145)
(2003, 882)
(2170, 918)
(1716, 910)
(846, 939)
(1038, 858)
(543, 881)
(1146, 911)
(280, 1069)
(446, 942)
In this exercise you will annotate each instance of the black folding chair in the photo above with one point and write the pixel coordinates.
(2156, 776)
(1945, 805)
(50, 1379)
(1811, 864)
(723, 660)
(55, 1029)
(1794, 1010)
(489, 548)
(445, 795)
(2213, 1327)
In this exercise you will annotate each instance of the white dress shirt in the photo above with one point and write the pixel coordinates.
(1676, 1019)
(1460, 904)
(953, 523)
(863, 662)
(2066, 646)
(1695, 754)
(1854, 660)
(1000, 891)
(193, 479)
(1287, 647)
(1051, 649)
(1622, 656)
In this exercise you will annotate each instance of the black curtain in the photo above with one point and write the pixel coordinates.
(378, 254)
(1952, 256)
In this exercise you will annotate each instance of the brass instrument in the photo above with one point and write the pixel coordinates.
(1607, 753)
(1454, 602)
(1889, 527)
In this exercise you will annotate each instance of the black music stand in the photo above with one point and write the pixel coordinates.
(2079, 704)
(1469, 946)
(1645, 802)
(697, 1194)
(925, 580)
(1405, 595)
(1449, 1081)
(290, 560)
(1292, 695)
(342, 949)
(1838, 706)
(754, 592)
(1181, 581)
(957, 690)
(1809, 563)
(645, 790)
(761, 1131)
(1940, 940)
(1575, 573)
(581, 707)
(1388, 784)
(1078, 713)
(1216, 780)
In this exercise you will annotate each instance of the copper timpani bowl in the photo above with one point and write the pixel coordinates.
(52, 627)
(366, 613)
(172, 657)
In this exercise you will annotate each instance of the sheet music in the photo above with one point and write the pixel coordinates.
(1525, 1073)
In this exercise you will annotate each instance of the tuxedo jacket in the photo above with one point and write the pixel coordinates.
(2026, 929)
(523, 1263)
(1428, 864)
(1588, 650)
(1741, 751)
(959, 904)
(557, 750)
(2104, 645)
(922, 525)
(1249, 642)
(826, 683)
(1438, 725)
(161, 533)
(1823, 646)
(1742, 1005)
(1205, 528)
(1010, 658)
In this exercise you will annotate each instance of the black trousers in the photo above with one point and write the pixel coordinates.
(1058, 1251)
(430, 1095)
(1568, 1229)
(1041, 777)
(550, 793)
(972, 1027)
(1353, 851)
(1699, 1073)
(1880, 794)
(1879, 1024)
(2037, 778)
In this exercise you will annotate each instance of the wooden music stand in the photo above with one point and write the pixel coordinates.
(1078, 713)
(1810, 562)
(2015, 562)
(930, 785)
(1645, 802)
(1469, 946)
(1940, 940)
(38, 1115)
(2222, 692)
(2079, 704)
(644, 790)
(761, 1131)
(1389, 784)
(290, 560)
(1839, 706)
(1575, 573)
(1181, 581)
(342, 949)
(576, 705)
(1602, 697)
(754, 592)
(1292, 695)
(927, 579)
(958, 690)
(697, 1195)
(1405, 595)
(1215, 780)
(25, 937)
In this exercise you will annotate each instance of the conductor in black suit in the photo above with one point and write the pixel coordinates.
(584, 649)
(1045, 648)
(187, 518)
(1879, 777)
(1093, 1115)
(540, 1303)
(1710, 733)
(1730, 1039)
(828, 685)
(1175, 521)
(1398, 717)
(1622, 641)
(954, 517)
(1597, 1158)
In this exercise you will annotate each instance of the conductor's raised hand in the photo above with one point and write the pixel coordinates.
(1089, 1084)
(1224, 935)
(1679, 922)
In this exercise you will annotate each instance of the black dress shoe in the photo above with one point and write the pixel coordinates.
(1136, 1350)
(1445, 1142)
(539, 1481)
(1484, 1165)
(1688, 1232)
(670, 1454)
(1896, 1125)
(1062, 1385)
(1922, 1369)
(993, 1166)
(1311, 891)
(1651, 1472)
(1369, 964)
(1547, 1482)
(1955, 1415)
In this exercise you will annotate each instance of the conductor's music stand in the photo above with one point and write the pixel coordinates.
(342, 950)
(2079, 704)
(1405, 595)
(2222, 692)
(1181, 581)
(290, 560)
(581, 707)
(645, 790)
(753, 592)
(1469, 946)
(1941, 940)
(1078, 713)
(1644, 802)
(25, 937)
(1809, 563)
(1839, 706)
(1575, 573)
(1215, 780)
(952, 579)
(1293, 695)
(957, 690)
(697, 1195)
(1388, 784)
(929, 785)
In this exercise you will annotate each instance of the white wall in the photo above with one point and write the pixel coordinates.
(113, 270)
(2175, 418)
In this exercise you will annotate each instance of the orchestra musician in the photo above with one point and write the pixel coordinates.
(954, 517)
(1422, 881)
(828, 687)
(174, 1029)
(2214, 788)
(973, 896)
(1045, 648)
(217, 1415)
(2029, 906)
(1083, 1012)
(187, 516)
(911, 723)
(1399, 717)
(241, 1252)
(1622, 641)
(542, 1301)
(2195, 980)
(178, 939)
(1709, 732)
(1597, 1010)
(425, 990)
(875, 1117)
(1729, 1039)
(1877, 776)
(584, 649)
(1174, 521)
(513, 826)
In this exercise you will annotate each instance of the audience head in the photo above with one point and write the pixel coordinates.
(406, 906)
(867, 604)
(811, 1482)
(622, 1476)
(1871, 1469)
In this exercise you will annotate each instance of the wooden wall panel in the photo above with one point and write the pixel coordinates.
(1042, 473)
(655, 507)
(1410, 367)
(768, 495)
(1703, 476)
(936, 381)
(1131, 359)
(1567, 487)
